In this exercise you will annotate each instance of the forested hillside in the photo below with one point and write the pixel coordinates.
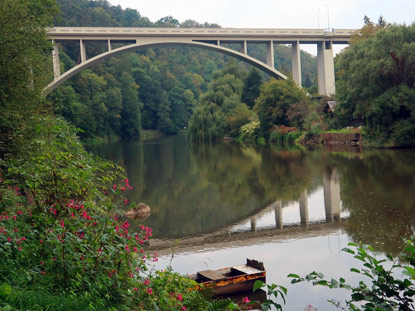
(150, 89)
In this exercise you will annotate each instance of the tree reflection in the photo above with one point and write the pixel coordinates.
(201, 188)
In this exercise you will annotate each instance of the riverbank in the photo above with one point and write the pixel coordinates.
(352, 139)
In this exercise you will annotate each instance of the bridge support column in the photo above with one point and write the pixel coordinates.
(331, 186)
(109, 45)
(296, 62)
(244, 48)
(325, 68)
(270, 54)
(278, 215)
(55, 58)
(304, 208)
(83, 50)
(253, 223)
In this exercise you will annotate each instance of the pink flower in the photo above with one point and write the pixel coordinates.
(125, 201)
(180, 297)
(184, 308)
(20, 248)
(62, 224)
(147, 282)
(150, 291)
(114, 187)
(245, 300)
(135, 288)
(123, 189)
(43, 272)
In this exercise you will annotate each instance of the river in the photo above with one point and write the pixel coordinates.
(213, 205)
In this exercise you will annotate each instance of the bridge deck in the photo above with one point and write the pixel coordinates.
(229, 34)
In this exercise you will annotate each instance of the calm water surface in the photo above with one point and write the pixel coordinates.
(213, 205)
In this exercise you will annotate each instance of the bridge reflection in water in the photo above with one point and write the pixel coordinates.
(270, 224)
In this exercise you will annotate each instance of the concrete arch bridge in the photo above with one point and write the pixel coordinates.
(207, 38)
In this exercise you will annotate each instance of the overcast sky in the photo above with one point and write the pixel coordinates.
(276, 13)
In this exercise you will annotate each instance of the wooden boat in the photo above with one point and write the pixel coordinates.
(230, 280)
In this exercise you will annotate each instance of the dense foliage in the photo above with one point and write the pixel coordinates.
(281, 102)
(376, 84)
(220, 111)
(24, 55)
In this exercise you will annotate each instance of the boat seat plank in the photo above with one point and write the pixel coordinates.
(212, 275)
(246, 269)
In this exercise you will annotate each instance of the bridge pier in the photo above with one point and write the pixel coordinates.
(296, 62)
(244, 48)
(304, 208)
(253, 224)
(270, 54)
(278, 214)
(83, 50)
(55, 59)
(325, 68)
(109, 45)
(331, 186)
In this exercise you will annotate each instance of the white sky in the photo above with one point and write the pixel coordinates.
(276, 13)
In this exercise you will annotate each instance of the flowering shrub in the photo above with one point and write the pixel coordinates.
(60, 233)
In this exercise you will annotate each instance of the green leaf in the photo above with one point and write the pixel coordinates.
(409, 271)
(258, 284)
(292, 275)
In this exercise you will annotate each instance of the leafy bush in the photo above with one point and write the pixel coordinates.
(387, 290)
(281, 138)
(61, 239)
(403, 133)
(250, 131)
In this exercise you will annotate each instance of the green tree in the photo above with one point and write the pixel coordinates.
(274, 104)
(167, 21)
(24, 65)
(130, 113)
(377, 85)
(220, 111)
(251, 87)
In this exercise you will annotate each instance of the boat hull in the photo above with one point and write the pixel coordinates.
(230, 280)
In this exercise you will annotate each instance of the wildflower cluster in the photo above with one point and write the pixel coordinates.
(62, 232)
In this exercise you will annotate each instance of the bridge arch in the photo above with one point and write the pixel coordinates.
(68, 74)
